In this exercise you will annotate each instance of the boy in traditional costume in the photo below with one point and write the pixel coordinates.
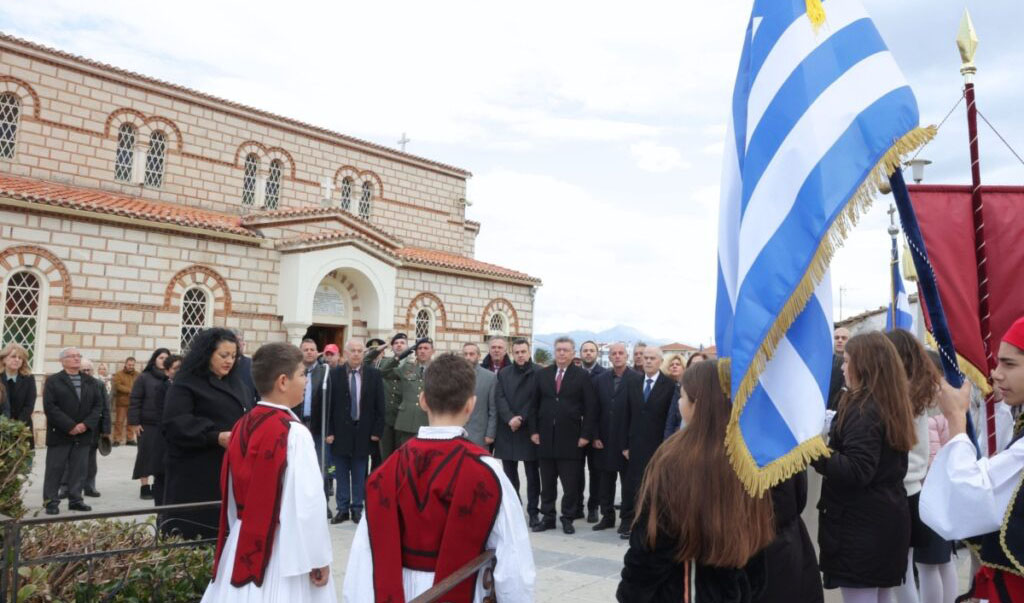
(436, 504)
(274, 543)
(980, 498)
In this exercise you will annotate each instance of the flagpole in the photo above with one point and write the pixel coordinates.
(893, 233)
(967, 43)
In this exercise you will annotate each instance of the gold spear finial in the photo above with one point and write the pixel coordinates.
(967, 42)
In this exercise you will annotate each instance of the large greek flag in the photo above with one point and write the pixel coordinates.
(820, 116)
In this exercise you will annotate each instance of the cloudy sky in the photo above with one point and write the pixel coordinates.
(594, 130)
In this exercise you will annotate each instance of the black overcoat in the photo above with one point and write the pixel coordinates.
(516, 396)
(349, 439)
(647, 422)
(564, 417)
(21, 400)
(316, 403)
(64, 409)
(791, 563)
(197, 408)
(147, 410)
(864, 519)
(614, 416)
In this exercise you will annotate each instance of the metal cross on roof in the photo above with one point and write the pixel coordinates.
(404, 140)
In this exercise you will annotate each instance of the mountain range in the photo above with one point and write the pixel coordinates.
(622, 333)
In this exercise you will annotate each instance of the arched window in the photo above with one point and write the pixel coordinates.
(273, 185)
(364, 200)
(125, 153)
(10, 113)
(155, 159)
(346, 194)
(252, 165)
(195, 315)
(497, 325)
(424, 324)
(22, 297)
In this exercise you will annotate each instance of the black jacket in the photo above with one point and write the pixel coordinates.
(564, 417)
(516, 396)
(864, 521)
(244, 371)
(147, 405)
(790, 562)
(613, 422)
(836, 383)
(316, 406)
(488, 363)
(103, 428)
(64, 409)
(354, 439)
(21, 399)
(647, 421)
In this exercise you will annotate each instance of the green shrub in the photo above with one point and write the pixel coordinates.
(15, 463)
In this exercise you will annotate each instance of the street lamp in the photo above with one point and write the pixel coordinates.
(917, 169)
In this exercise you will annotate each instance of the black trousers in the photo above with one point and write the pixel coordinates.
(90, 475)
(631, 486)
(608, 491)
(532, 483)
(551, 472)
(73, 458)
(593, 474)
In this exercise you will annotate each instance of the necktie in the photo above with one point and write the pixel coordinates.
(558, 381)
(647, 388)
(353, 391)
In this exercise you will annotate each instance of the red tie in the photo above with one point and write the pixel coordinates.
(558, 381)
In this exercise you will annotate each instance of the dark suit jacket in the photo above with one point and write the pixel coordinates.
(647, 421)
(21, 399)
(64, 409)
(836, 382)
(351, 439)
(564, 417)
(614, 417)
(317, 376)
(245, 372)
(597, 370)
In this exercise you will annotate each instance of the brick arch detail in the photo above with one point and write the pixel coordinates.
(346, 171)
(167, 125)
(434, 303)
(279, 153)
(30, 256)
(378, 190)
(23, 90)
(199, 275)
(120, 116)
(247, 147)
(500, 304)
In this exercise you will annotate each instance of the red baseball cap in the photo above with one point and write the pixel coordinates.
(331, 349)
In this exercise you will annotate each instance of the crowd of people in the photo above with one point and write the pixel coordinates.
(423, 453)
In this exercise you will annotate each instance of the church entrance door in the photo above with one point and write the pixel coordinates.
(326, 334)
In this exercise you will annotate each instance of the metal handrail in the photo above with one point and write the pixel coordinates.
(484, 561)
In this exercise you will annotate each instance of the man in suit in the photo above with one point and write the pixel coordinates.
(355, 423)
(311, 411)
(393, 395)
(517, 406)
(837, 384)
(565, 423)
(72, 405)
(648, 413)
(616, 394)
(483, 421)
(588, 362)
(103, 429)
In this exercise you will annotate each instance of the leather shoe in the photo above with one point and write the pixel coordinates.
(624, 535)
(92, 492)
(608, 521)
(592, 516)
(544, 525)
(340, 517)
(52, 510)
(534, 521)
(79, 506)
(62, 493)
(567, 526)
(356, 516)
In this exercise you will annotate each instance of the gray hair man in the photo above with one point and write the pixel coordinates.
(483, 422)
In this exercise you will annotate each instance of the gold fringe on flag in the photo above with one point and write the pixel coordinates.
(971, 372)
(757, 480)
(816, 13)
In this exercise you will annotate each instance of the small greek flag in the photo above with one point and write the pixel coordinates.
(900, 316)
(820, 116)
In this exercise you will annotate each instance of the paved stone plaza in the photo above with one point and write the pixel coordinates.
(570, 569)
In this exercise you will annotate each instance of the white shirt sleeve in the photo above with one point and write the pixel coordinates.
(514, 574)
(965, 496)
(303, 537)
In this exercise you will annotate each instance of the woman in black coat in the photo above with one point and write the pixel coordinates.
(514, 396)
(20, 386)
(864, 519)
(144, 419)
(791, 566)
(172, 364)
(206, 399)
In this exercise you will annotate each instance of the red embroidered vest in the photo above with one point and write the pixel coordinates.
(256, 459)
(430, 507)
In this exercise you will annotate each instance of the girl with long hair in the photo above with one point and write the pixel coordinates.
(864, 520)
(143, 417)
(696, 530)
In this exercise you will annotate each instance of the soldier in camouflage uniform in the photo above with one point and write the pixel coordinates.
(409, 376)
(392, 389)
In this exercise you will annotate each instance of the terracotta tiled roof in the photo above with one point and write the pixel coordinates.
(330, 236)
(677, 347)
(431, 257)
(232, 104)
(270, 217)
(103, 202)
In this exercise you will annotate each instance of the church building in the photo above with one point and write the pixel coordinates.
(136, 212)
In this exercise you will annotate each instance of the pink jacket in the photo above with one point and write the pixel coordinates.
(938, 435)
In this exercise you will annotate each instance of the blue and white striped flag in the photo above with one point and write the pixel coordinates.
(820, 116)
(899, 305)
